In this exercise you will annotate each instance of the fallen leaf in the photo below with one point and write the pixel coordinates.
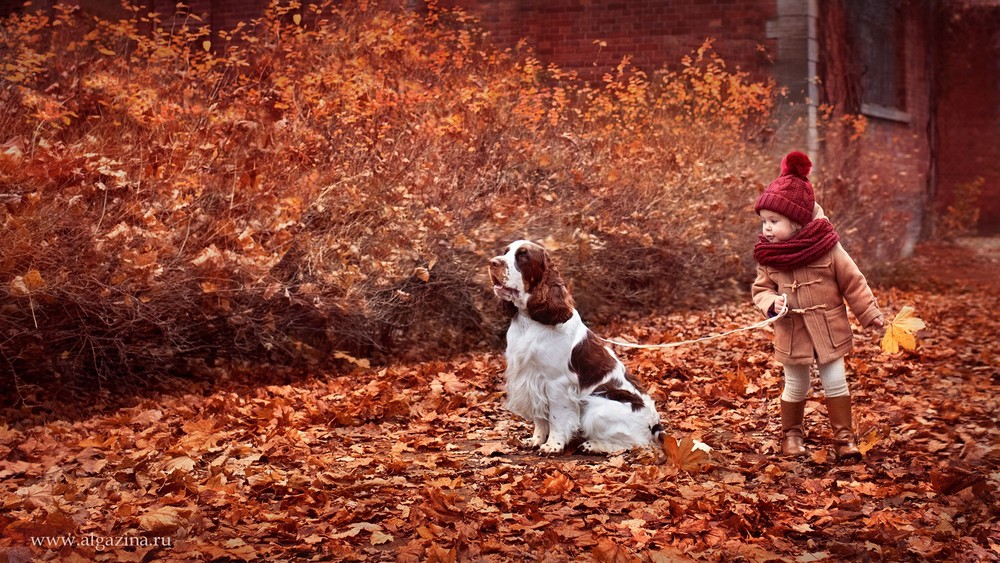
(607, 551)
(240, 549)
(438, 554)
(687, 454)
(163, 519)
(557, 484)
(147, 418)
(379, 538)
(182, 463)
(34, 281)
(868, 441)
(361, 363)
(356, 528)
(820, 456)
(18, 288)
(901, 332)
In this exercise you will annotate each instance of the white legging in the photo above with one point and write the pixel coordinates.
(832, 375)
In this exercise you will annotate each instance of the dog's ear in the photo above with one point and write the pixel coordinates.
(551, 303)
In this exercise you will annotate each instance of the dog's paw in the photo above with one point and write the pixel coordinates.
(552, 448)
(598, 448)
(534, 442)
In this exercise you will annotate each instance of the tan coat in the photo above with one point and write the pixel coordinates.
(816, 326)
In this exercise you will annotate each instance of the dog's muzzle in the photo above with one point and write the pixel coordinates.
(498, 275)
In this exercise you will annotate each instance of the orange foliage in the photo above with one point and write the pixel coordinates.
(319, 179)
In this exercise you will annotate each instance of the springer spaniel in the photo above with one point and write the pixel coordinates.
(559, 375)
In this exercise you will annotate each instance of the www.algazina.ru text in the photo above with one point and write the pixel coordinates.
(100, 542)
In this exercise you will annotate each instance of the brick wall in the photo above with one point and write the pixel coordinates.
(10, 6)
(655, 32)
(891, 162)
(217, 14)
(226, 14)
(899, 151)
(968, 111)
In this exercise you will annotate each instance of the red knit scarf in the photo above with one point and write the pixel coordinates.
(808, 245)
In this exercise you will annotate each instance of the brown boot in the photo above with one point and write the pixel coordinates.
(844, 442)
(791, 428)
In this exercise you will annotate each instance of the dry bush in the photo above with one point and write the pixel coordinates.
(334, 178)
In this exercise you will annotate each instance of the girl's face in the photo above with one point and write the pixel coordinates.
(777, 228)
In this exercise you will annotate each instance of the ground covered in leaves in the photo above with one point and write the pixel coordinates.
(421, 463)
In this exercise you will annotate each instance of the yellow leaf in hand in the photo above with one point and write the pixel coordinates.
(904, 338)
(901, 331)
(908, 321)
(889, 345)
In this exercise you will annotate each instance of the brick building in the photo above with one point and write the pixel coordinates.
(926, 73)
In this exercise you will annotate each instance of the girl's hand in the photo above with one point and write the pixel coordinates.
(879, 322)
(779, 304)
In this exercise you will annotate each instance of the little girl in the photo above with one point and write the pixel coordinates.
(799, 255)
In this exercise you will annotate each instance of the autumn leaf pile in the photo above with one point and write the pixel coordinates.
(419, 462)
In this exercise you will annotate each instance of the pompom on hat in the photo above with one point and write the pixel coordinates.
(790, 194)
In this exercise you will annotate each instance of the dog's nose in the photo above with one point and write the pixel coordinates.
(496, 262)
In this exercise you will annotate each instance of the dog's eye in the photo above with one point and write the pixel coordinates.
(521, 254)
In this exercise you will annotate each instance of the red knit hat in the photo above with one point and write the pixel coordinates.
(790, 194)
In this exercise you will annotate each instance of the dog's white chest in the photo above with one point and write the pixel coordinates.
(546, 348)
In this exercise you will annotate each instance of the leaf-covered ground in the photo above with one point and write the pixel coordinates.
(421, 463)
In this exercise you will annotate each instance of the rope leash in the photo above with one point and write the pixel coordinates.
(761, 324)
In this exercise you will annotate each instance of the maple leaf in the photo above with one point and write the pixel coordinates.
(356, 528)
(687, 454)
(89, 464)
(901, 331)
(181, 463)
(147, 418)
(239, 548)
(361, 363)
(438, 554)
(607, 551)
(954, 479)
(21, 286)
(868, 441)
(55, 523)
(557, 484)
(163, 519)
(443, 505)
(379, 538)
(820, 456)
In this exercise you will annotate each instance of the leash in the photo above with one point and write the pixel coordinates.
(761, 324)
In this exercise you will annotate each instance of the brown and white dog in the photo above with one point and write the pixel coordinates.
(559, 375)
